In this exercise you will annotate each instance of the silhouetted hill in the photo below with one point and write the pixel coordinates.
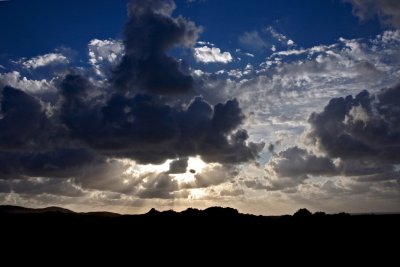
(218, 232)
(21, 210)
(215, 226)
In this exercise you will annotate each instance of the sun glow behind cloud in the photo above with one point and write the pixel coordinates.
(195, 166)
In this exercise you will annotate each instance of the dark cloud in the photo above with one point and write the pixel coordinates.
(361, 134)
(388, 11)
(295, 161)
(71, 138)
(37, 186)
(144, 126)
(149, 33)
(32, 143)
(147, 130)
(255, 184)
(23, 122)
(178, 166)
(56, 163)
(363, 127)
(159, 186)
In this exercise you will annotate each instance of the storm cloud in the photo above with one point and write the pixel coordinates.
(146, 129)
(142, 111)
(149, 33)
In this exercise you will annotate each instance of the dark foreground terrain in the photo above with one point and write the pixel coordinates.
(212, 229)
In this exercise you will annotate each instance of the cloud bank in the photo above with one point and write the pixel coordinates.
(79, 134)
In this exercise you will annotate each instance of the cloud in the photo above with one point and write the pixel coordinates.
(268, 38)
(232, 193)
(80, 131)
(37, 186)
(178, 166)
(45, 60)
(281, 38)
(255, 184)
(211, 175)
(363, 127)
(24, 123)
(388, 11)
(290, 42)
(149, 33)
(146, 129)
(356, 136)
(295, 161)
(104, 55)
(16, 80)
(158, 186)
(207, 54)
(253, 41)
(294, 165)
(94, 138)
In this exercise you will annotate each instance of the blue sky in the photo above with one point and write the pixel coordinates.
(266, 106)
(42, 25)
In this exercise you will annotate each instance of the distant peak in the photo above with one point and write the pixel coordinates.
(153, 211)
(302, 213)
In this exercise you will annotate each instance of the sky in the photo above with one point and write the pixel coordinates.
(263, 106)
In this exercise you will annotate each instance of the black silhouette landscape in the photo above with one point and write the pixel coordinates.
(212, 222)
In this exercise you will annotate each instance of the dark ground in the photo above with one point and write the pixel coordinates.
(200, 233)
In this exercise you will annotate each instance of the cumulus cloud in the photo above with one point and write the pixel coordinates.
(388, 11)
(149, 33)
(207, 54)
(295, 161)
(158, 186)
(16, 80)
(77, 132)
(147, 130)
(363, 127)
(45, 60)
(95, 138)
(353, 136)
(104, 54)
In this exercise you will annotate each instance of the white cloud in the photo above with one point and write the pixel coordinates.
(207, 54)
(16, 80)
(104, 53)
(198, 72)
(235, 73)
(45, 60)
(276, 35)
(205, 43)
(283, 91)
